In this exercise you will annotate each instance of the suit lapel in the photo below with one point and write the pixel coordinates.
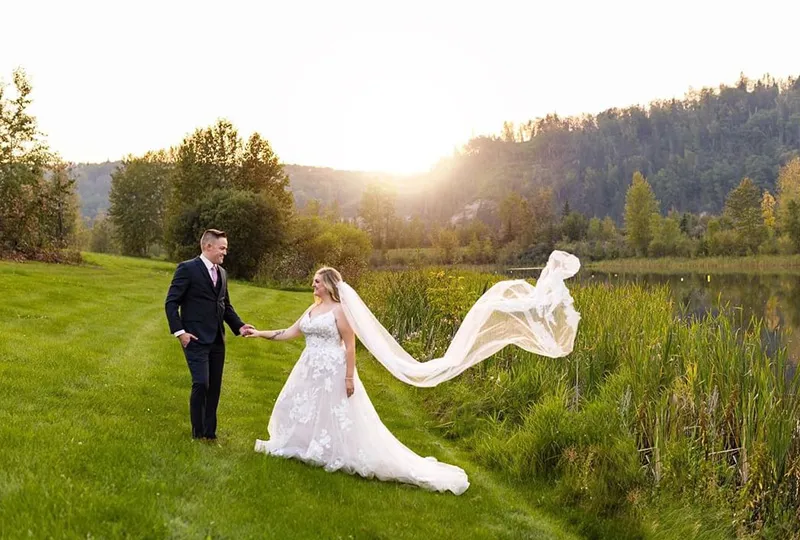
(204, 271)
(222, 278)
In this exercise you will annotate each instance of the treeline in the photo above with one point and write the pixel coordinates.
(161, 202)
(39, 210)
(307, 184)
(752, 222)
(693, 151)
(524, 230)
(510, 199)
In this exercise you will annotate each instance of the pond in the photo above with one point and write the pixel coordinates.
(773, 298)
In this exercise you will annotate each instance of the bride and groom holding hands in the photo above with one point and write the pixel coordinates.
(323, 415)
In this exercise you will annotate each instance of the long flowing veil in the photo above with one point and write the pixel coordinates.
(540, 319)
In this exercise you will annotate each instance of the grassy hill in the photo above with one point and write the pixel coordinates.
(95, 431)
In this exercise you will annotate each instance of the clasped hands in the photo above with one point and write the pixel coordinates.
(185, 338)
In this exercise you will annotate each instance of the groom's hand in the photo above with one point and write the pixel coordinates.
(185, 338)
(246, 330)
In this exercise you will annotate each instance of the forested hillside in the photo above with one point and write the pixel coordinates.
(693, 151)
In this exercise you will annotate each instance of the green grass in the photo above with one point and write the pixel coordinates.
(94, 428)
(654, 426)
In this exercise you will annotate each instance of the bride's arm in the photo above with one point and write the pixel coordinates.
(281, 335)
(349, 339)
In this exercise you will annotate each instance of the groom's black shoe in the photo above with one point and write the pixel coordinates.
(211, 441)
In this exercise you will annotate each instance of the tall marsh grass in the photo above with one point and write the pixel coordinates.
(649, 406)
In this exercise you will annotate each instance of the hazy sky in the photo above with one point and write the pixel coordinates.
(372, 85)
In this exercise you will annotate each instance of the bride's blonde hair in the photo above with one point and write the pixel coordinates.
(330, 277)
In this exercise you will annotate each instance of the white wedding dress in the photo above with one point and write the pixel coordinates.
(314, 421)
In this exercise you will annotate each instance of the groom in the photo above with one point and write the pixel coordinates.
(200, 289)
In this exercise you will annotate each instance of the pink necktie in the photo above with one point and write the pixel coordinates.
(214, 275)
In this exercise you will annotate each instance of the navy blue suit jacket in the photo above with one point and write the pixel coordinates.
(193, 303)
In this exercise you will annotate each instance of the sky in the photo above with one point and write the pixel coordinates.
(368, 85)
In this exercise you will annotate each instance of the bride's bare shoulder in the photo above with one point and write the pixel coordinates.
(338, 312)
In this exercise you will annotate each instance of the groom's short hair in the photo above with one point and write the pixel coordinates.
(211, 235)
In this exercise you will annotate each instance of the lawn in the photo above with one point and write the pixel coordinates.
(95, 439)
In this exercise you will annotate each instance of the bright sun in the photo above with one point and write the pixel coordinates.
(398, 107)
(400, 127)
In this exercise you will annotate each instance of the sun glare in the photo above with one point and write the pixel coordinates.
(399, 126)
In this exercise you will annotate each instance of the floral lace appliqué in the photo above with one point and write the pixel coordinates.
(342, 413)
(304, 406)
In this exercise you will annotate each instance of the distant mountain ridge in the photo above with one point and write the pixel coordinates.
(307, 183)
(692, 151)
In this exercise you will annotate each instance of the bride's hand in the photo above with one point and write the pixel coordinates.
(246, 329)
(251, 332)
(349, 386)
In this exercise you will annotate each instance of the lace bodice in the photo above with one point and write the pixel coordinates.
(321, 331)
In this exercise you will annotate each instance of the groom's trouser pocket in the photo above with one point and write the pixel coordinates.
(197, 360)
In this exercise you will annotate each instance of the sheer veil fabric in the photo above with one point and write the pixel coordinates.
(540, 319)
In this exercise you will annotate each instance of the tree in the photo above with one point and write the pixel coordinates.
(574, 226)
(788, 190)
(252, 221)
(792, 223)
(515, 214)
(333, 212)
(447, 243)
(38, 202)
(214, 167)
(542, 227)
(565, 211)
(377, 209)
(604, 230)
(102, 235)
(743, 207)
(314, 242)
(313, 208)
(262, 172)
(667, 236)
(473, 229)
(24, 159)
(480, 251)
(415, 232)
(62, 219)
(138, 201)
(342, 246)
(509, 134)
(594, 230)
(768, 211)
(640, 205)
(608, 229)
(207, 160)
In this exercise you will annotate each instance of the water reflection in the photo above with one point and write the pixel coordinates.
(774, 298)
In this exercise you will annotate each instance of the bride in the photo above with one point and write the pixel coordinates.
(323, 415)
